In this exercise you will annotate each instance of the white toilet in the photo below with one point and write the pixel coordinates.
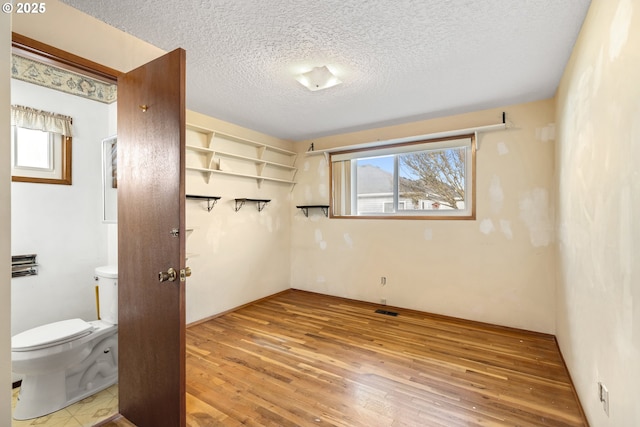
(64, 362)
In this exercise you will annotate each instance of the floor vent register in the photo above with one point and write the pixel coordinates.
(387, 312)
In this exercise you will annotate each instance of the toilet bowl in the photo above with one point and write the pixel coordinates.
(69, 360)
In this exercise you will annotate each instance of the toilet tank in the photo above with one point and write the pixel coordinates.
(107, 277)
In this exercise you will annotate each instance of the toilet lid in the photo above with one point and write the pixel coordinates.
(50, 334)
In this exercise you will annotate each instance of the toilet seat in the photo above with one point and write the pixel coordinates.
(51, 334)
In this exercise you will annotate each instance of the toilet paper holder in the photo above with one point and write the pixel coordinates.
(24, 265)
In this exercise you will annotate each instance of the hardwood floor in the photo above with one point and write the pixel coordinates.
(303, 359)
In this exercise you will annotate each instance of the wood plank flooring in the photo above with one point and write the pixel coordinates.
(302, 359)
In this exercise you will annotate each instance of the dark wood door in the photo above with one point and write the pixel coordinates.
(151, 198)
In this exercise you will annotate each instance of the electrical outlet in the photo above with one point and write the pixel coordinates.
(383, 301)
(603, 393)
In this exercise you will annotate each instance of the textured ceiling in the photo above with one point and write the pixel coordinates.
(399, 60)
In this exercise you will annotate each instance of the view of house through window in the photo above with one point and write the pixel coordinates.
(426, 179)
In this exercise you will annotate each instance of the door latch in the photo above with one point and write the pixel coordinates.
(184, 273)
(168, 276)
(171, 274)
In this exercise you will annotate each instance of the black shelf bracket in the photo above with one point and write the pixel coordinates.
(305, 209)
(260, 203)
(211, 200)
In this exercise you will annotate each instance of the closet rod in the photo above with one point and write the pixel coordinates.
(443, 134)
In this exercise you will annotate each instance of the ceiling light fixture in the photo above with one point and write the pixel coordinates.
(318, 78)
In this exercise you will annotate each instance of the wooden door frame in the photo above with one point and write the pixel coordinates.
(48, 54)
(54, 56)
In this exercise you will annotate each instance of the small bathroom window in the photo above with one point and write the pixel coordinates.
(40, 146)
(32, 149)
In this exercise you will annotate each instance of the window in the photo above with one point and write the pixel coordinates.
(35, 150)
(419, 180)
(40, 147)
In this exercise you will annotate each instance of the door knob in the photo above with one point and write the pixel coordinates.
(170, 275)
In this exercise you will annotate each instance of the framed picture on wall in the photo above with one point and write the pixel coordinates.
(110, 179)
(113, 156)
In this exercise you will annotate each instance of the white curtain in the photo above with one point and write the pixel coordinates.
(31, 118)
(341, 190)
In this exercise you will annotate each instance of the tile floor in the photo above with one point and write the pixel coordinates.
(84, 413)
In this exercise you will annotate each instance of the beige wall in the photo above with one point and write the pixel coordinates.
(235, 257)
(91, 39)
(5, 222)
(598, 150)
(498, 268)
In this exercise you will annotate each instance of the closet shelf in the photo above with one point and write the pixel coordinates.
(242, 157)
(259, 178)
(211, 200)
(260, 203)
(305, 209)
(212, 133)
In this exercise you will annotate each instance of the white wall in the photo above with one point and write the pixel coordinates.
(497, 269)
(5, 221)
(241, 256)
(598, 180)
(62, 224)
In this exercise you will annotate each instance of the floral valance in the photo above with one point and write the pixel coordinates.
(31, 118)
